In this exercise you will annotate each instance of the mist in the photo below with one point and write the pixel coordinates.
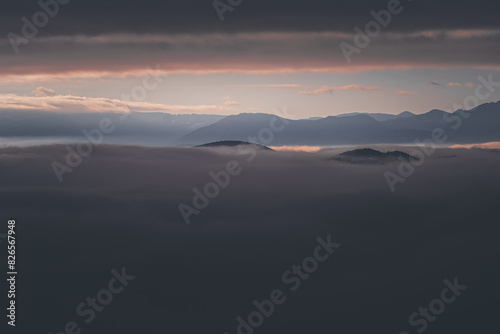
(120, 208)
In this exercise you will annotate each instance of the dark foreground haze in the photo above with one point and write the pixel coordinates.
(120, 209)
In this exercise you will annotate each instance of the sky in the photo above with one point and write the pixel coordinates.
(317, 58)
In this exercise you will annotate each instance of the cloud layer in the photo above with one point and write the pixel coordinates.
(120, 208)
(198, 16)
(283, 52)
(47, 100)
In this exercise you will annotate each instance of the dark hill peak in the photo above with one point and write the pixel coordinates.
(368, 155)
(233, 143)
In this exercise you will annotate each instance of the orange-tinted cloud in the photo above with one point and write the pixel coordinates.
(310, 149)
(490, 145)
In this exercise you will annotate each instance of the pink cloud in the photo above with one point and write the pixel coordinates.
(450, 34)
(471, 33)
(259, 53)
(274, 86)
(229, 102)
(405, 92)
(470, 84)
(332, 89)
(74, 103)
(441, 85)
(42, 91)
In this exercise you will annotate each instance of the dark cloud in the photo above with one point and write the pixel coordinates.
(108, 55)
(152, 16)
(119, 208)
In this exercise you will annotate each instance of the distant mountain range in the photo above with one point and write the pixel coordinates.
(380, 117)
(482, 125)
(137, 128)
(158, 129)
